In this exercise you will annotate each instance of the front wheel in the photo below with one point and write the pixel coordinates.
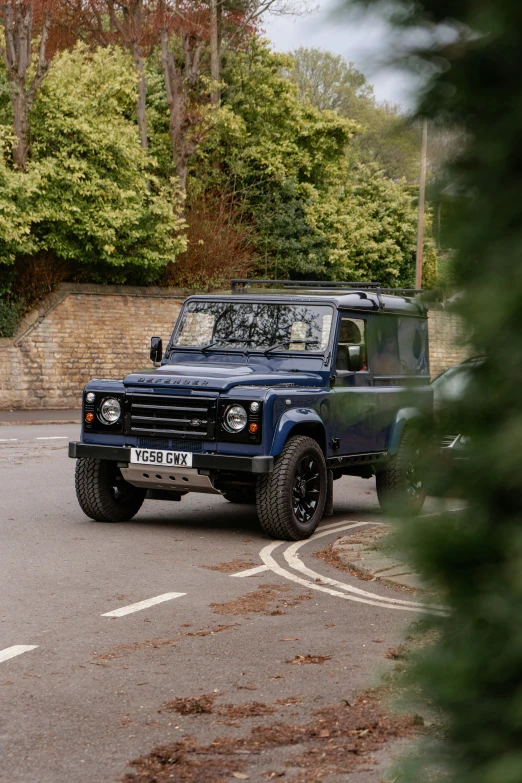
(103, 494)
(291, 499)
(400, 487)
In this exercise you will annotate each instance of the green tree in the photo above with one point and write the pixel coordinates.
(387, 138)
(369, 223)
(328, 81)
(97, 198)
(470, 54)
(275, 150)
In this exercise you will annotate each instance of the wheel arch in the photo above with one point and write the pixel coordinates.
(406, 417)
(302, 421)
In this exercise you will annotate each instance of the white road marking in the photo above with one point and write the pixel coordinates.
(294, 561)
(54, 437)
(159, 599)
(18, 649)
(251, 571)
(372, 599)
(8, 440)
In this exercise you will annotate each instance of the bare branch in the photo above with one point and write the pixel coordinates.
(277, 7)
(114, 19)
(43, 64)
(9, 34)
(166, 65)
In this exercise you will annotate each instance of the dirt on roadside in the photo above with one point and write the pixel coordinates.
(338, 739)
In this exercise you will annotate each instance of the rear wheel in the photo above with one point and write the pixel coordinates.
(400, 486)
(291, 499)
(103, 494)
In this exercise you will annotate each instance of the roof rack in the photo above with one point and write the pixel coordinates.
(237, 285)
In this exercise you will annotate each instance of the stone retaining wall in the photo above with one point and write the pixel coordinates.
(87, 331)
(447, 341)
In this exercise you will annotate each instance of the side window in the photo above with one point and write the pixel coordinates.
(385, 356)
(352, 331)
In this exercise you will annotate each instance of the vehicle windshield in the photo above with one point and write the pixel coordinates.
(254, 326)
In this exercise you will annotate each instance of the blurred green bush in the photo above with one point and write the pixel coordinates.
(10, 313)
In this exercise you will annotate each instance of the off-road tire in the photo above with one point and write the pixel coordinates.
(245, 497)
(98, 496)
(393, 485)
(275, 498)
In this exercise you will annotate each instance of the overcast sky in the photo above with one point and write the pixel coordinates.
(363, 39)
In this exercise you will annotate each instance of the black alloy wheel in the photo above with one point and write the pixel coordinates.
(400, 486)
(414, 482)
(291, 499)
(307, 489)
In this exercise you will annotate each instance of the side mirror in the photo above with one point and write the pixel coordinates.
(355, 358)
(156, 349)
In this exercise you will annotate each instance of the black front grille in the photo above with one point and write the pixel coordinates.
(177, 444)
(170, 415)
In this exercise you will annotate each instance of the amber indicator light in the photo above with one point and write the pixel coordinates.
(253, 428)
(89, 417)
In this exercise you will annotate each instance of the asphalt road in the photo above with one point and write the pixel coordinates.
(86, 696)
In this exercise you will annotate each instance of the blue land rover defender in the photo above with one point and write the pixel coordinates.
(267, 397)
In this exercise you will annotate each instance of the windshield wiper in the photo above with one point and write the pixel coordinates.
(224, 342)
(208, 346)
(290, 342)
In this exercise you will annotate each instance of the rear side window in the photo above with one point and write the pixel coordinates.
(400, 345)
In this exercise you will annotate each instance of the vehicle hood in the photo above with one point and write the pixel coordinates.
(221, 377)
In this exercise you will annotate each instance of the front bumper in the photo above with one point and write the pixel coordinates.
(78, 450)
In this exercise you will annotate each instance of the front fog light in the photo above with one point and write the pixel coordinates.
(110, 411)
(236, 418)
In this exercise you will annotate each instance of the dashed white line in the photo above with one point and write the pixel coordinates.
(159, 599)
(54, 437)
(251, 571)
(17, 649)
(8, 440)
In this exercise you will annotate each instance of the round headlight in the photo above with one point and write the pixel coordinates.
(236, 418)
(110, 411)
(90, 397)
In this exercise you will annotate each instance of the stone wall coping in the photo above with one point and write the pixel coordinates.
(35, 316)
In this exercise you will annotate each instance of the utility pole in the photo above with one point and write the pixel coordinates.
(422, 201)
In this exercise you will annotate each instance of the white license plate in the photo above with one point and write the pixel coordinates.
(182, 459)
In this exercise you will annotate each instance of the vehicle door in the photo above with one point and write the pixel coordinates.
(354, 406)
(400, 369)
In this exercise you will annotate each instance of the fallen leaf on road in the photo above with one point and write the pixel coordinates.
(324, 733)
(231, 567)
(302, 659)
(292, 639)
(240, 776)
(195, 705)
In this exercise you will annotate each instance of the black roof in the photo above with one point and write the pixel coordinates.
(367, 300)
